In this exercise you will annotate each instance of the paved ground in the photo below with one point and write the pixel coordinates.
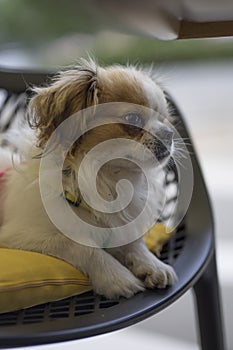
(205, 94)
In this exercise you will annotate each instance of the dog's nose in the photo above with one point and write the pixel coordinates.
(165, 135)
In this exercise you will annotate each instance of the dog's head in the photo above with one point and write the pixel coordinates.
(89, 85)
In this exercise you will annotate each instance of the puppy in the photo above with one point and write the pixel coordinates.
(117, 270)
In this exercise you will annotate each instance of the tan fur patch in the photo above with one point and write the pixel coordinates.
(121, 85)
(84, 86)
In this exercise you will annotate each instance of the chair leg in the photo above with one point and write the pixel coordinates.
(209, 309)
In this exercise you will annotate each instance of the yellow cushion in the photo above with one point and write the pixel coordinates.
(29, 278)
(157, 237)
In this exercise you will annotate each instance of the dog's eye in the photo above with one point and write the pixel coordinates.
(134, 119)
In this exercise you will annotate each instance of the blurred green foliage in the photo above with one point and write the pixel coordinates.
(38, 24)
(148, 50)
(36, 21)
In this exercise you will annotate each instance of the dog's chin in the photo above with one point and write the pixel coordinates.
(153, 159)
(160, 161)
(150, 163)
(157, 161)
(163, 158)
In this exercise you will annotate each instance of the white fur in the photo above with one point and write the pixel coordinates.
(120, 271)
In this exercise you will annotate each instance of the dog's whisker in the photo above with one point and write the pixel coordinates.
(178, 162)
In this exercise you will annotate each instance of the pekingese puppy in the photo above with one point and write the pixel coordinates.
(115, 269)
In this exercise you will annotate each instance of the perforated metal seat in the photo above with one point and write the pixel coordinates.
(191, 251)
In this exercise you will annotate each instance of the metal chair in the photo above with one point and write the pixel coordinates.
(191, 251)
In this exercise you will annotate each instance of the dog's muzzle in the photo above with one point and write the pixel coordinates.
(160, 144)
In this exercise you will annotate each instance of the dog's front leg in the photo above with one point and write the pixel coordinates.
(107, 275)
(144, 265)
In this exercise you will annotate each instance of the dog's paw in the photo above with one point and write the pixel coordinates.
(155, 274)
(118, 284)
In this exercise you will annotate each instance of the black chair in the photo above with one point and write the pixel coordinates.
(191, 251)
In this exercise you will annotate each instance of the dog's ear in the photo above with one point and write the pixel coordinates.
(71, 91)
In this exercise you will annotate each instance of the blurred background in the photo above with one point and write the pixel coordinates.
(199, 74)
(54, 33)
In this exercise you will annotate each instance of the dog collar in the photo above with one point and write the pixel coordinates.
(71, 199)
(107, 241)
